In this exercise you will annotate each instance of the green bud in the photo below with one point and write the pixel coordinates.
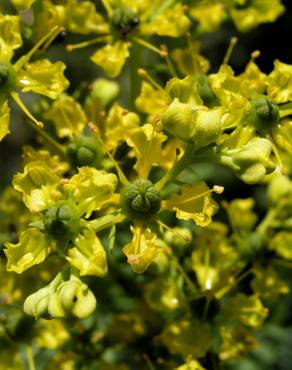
(178, 119)
(279, 187)
(205, 91)
(264, 114)
(7, 77)
(62, 220)
(140, 200)
(105, 91)
(84, 151)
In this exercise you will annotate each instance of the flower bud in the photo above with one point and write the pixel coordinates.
(105, 91)
(62, 220)
(264, 113)
(84, 151)
(252, 161)
(178, 119)
(140, 200)
(279, 187)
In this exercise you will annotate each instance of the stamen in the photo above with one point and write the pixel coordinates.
(71, 47)
(169, 63)
(164, 226)
(123, 179)
(149, 46)
(161, 183)
(44, 40)
(21, 105)
(233, 42)
(143, 73)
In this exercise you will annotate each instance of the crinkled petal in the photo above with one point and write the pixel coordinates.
(146, 143)
(68, 116)
(44, 77)
(173, 22)
(88, 255)
(142, 250)
(112, 57)
(33, 248)
(38, 185)
(92, 189)
(83, 18)
(193, 203)
(10, 37)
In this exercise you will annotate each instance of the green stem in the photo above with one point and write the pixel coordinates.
(189, 157)
(283, 263)
(105, 222)
(226, 289)
(148, 361)
(188, 281)
(134, 76)
(267, 222)
(30, 359)
(26, 58)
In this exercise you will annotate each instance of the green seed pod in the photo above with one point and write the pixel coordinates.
(123, 22)
(62, 220)
(178, 119)
(84, 151)
(205, 91)
(264, 114)
(140, 200)
(7, 77)
(75, 298)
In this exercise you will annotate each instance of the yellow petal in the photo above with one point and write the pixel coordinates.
(111, 58)
(44, 77)
(68, 116)
(146, 143)
(193, 203)
(92, 189)
(142, 250)
(88, 255)
(32, 249)
(10, 37)
(151, 100)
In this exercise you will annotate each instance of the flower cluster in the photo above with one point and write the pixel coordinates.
(112, 216)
